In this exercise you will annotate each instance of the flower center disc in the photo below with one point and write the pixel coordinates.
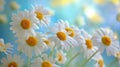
(101, 63)
(70, 31)
(89, 44)
(32, 41)
(106, 40)
(25, 24)
(47, 42)
(61, 35)
(46, 64)
(12, 64)
(39, 15)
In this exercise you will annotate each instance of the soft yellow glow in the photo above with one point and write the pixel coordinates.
(93, 15)
(80, 21)
(100, 2)
(14, 5)
(56, 3)
(115, 2)
(3, 18)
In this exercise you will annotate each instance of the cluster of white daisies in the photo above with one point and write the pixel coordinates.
(49, 49)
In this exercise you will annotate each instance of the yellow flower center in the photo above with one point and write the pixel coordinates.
(12, 64)
(39, 15)
(47, 42)
(89, 44)
(32, 41)
(60, 57)
(118, 54)
(1, 44)
(25, 24)
(101, 63)
(106, 40)
(70, 31)
(61, 36)
(46, 64)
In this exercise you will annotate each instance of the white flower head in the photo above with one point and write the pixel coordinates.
(31, 44)
(104, 38)
(61, 57)
(10, 61)
(45, 61)
(42, 14)
(99, 60)
(87, 44)
(24, 23)
(61, 38)
(6, 48)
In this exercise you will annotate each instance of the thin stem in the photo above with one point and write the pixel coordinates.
(28, 62)
(52, 50)
(77, 54)
(89, 59)
(112, 62)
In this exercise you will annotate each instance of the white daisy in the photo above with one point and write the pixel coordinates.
(87, 45)
(61, 57)
(117, 55)
(44, 62)
(31, 44)
(61, 38)
(2, 3)
(104, 39)
(15, 61)
(6, 48)
(99, 60)
(24, 23)
(42, 14)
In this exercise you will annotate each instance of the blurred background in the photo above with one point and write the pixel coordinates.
(86, 14)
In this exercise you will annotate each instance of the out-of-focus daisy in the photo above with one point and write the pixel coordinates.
(24, 23)
(99, 60)
(45, 62)
(14, 5)
(31, 44)
(61, 38)
(87, 44)
(61, 57)
(48, 43)
(6, 48)
(3, 18)
(2, 2)
(10, 61)
(104, 39)
(42, 14)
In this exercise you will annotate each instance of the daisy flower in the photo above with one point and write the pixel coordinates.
(31, 44)
(6, 48)
(45, 62)
(10, 61)
(99, 60)
(61, 38)
(61, 57)
(42, 14)
(87, 44)
(104, 39)
(117, 55)
(24, 23)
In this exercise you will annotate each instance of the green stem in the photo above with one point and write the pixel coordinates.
(89, 59)
(112, 62)
(52, 50)
(77, 54)
(28, 62)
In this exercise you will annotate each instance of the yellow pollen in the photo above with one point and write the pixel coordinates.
(32, 41)
(39, 15)
(106, 40)
(46, 64)
(61, 36)
(118, 54)
(70, 31)
(89, 44)
(101, 63)
(47, 42)
(12, 64)
(25, 24)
